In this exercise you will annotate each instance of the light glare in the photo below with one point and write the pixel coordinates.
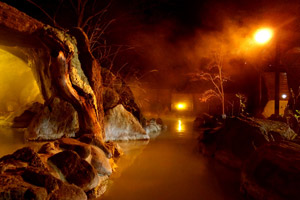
(284, 96)
(181, 106)
(263, 36)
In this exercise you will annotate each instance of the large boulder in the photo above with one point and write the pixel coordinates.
(58, 119)
(75, 169)
(273, 172)
(125, 95)
(239, 137)
(110, 98)
(82, 149)
(122, 125)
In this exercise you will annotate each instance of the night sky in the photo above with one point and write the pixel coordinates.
(171, 37)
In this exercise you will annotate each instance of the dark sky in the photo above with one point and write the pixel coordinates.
(171, 36)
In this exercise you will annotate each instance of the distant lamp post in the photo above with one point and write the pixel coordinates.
(263, 36)
(284, 96)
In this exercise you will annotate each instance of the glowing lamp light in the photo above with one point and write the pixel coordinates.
(181, 106)
(263, 35)
(284, 96)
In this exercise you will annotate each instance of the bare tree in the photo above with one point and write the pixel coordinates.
(214, 74)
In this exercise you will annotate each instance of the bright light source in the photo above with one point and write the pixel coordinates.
(181, 106)
(180, 126)
(284, 96)
(263, 35)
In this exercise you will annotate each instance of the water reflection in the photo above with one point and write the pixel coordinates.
(180, 126)
(169, 167)
(11, 140)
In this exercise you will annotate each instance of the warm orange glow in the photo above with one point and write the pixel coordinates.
(263, 35)
(180, 127)
(181, 106)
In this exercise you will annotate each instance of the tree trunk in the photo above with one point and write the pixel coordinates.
(91, 69)
(61, 67)
(88, 113)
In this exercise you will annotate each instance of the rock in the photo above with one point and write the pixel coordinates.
(56, 189)
(75, 169)
(12, 165)
(41, 178)
(206, 121)
(110, 98)
(100, 162)
(273, 172)
(13, 187)
(126, 97)
(26, 155)
(292, 121)
(50, 148)
(94, 140)
(153, 128)
(24, 119)
(159, 121)
(68, 192)
(82, 149)
(114, 148)
(56, 120)
(239, 137)
(100, 189)
(121, 125)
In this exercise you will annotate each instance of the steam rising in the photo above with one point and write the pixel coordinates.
(176, 47)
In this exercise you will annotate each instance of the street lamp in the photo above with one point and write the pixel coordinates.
(263, 36)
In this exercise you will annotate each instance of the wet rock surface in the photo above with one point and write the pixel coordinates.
(273, 172)
(233, 142)
(13, 187)
(22, 157)
(153, 127)
(75, 170)
(110, 98)
(115, 149)
(56, 120)
(57, 171)
(100, 189)
(68, 192)
(100, 162)
(82, 149)
(122, 125)
(125, 95)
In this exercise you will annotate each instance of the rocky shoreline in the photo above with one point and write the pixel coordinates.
(265, 152)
